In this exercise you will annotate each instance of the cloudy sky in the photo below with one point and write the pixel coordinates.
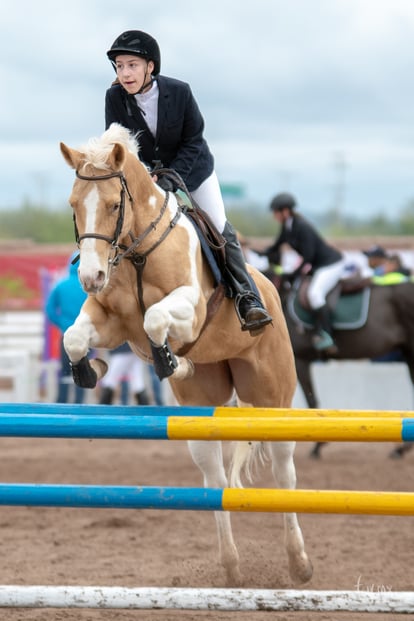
(310, 96)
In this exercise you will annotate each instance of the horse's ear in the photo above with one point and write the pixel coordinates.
(117, 157)
(71, 156)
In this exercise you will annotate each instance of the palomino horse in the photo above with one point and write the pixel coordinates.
(141, 265)
(389, 327)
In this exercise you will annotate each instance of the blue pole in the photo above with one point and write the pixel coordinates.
(111, 497)
(71, 426)
(104, 410)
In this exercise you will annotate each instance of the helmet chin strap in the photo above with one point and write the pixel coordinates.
(144, 83)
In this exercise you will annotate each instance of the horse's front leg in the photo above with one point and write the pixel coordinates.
(173, 316)
(77, 341)
(209, 459)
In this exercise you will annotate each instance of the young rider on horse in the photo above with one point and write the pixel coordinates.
(326, 262)
(166, 117)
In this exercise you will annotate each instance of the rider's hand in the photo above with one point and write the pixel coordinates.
(165, 183)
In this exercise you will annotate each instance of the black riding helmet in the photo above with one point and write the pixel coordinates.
(284, 200)
(137, 43)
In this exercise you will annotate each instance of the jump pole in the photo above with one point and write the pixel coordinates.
(207, 499)
(208, 428)
(150, 598)
(216, 412)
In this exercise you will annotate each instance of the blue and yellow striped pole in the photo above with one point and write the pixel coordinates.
(213, 412)
(208, 499)
(306, 429)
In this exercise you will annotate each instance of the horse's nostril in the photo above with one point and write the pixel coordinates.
(101, 277)
(93, 283)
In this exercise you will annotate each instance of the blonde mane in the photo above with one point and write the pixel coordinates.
(96, 150)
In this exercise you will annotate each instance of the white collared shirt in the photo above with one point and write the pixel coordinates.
(148, 104)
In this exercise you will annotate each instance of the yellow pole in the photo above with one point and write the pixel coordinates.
(318, 501)
(243, 412)
(300, 429)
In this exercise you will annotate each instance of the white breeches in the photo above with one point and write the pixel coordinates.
(125, 366)
(208, 197)
(324, 279)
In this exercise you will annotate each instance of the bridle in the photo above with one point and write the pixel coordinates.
(129, 252)
(139, 259)
(120, 221)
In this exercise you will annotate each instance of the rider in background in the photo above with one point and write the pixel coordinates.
(163, 113)
(377, 258)
(387, 269)
(326, 263)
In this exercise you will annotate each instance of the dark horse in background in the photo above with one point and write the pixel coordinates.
(388, 326)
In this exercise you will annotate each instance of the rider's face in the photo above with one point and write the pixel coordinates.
(281, 215)
(133, 72)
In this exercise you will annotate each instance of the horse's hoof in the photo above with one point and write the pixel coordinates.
(234, 577)
(314, 454)
(400, 450)
(316, 450)
(99, 366)
(83, 374)
(302, 571)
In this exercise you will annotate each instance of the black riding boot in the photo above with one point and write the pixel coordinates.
(141, 398)
(107, 395)
(250, 310)
(323, 340)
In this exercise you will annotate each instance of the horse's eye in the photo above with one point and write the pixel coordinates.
(115, 207)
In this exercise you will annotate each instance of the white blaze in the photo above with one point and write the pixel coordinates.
(90, 263)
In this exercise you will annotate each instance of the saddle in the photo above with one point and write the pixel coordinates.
(348, 302)
(211, 240)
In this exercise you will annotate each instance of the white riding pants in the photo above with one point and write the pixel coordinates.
(125, 366)
(208, 197)
(323, 280)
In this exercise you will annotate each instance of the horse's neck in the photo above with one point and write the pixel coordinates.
(140, 183)
(148, 204)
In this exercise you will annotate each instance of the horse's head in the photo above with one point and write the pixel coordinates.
(101, 200)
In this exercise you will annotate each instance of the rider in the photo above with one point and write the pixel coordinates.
(166, 117)
(326, 263)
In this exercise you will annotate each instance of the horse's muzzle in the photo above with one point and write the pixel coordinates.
(94, 284)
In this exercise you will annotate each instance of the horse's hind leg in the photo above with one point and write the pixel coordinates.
(208, 456)
(283, 468)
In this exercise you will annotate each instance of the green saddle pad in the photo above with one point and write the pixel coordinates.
(350, 312)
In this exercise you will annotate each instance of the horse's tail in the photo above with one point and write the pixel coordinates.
(246, 458)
